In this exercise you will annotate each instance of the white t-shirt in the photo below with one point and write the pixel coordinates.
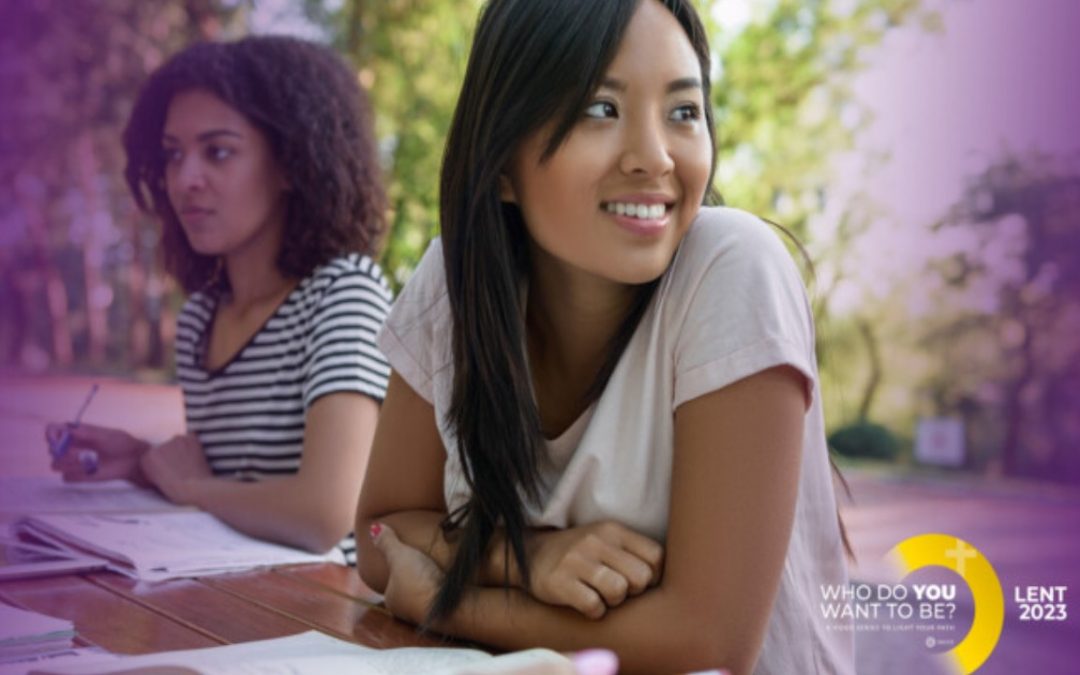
(732, 304)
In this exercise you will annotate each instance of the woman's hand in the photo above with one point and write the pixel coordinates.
(94, 453)
(592, 567)
(414, 577)
(174, 464)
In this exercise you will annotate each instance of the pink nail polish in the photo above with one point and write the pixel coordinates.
(595, 662)
(376, 530)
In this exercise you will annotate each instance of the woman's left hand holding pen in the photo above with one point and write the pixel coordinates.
(115, 453)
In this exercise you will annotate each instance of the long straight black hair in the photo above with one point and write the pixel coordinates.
(533, 62)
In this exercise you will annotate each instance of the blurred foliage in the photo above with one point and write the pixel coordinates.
(866, 440)
(72, 243)
(1007, 315)
(81, 286)
(784, 105)
(80, 277)
(411, 57)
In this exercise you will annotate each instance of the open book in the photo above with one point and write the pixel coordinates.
(320, 654)
(162, 545)
(21, 496)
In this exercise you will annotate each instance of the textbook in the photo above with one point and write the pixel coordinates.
(155, 546)
(316, 653)
(24, 634)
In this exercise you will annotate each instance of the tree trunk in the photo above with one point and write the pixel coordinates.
(874, 381)
(56, 296)
(98, 293)
(1014, 408)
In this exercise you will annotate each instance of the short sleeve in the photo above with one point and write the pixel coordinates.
(342, 355)
(416, 337)
(747, 312)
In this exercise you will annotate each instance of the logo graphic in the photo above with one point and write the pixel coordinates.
(927, 550)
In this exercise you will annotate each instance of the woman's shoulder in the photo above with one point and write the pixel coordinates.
(197, 310)
(415, 335)
(732, 242)
(352, 271)
(722, 229)
(425, 290)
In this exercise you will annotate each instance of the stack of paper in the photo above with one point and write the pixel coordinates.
(24, 634)
(23, 560)
(165, 545)
(320, 654)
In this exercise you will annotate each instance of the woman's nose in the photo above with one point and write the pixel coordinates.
(646, 152)
(189, 173)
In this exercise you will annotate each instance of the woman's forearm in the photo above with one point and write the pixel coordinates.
(285, 510)
(659, 631)
(422, 529)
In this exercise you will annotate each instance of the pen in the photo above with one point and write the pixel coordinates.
(60, 447)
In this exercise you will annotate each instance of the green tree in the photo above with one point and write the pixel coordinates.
(411, 57)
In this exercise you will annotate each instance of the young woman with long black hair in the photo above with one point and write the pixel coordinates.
(603, 427)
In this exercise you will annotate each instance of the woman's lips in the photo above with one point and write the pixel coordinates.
(195, 216)
(641, 218)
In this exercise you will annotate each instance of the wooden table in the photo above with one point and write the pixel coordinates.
(124, 616)
(130, 617)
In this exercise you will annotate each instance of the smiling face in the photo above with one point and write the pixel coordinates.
(618, 195)
(221, 177)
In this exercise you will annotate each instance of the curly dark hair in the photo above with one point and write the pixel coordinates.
(317, 120)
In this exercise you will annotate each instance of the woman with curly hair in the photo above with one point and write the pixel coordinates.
(258, 158)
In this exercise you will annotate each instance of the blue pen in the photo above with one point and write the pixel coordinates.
(60, 447)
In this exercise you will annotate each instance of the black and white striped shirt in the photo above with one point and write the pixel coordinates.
(249, 413)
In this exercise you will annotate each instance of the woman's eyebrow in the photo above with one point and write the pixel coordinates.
(684, 83)
(206, 135)
(680, 84)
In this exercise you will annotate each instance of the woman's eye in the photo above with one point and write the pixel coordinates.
(218, 153)
(171, 155)
(601, 110)
(686, 113)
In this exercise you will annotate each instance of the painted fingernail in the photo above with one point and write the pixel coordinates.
(376, 530)
(595, 662)
(89, 461)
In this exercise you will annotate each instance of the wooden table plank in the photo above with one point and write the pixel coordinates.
(103, 618)
(223, 616)
(322, 608)
(339, 579)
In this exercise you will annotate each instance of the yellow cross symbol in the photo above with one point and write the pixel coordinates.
(962, 552)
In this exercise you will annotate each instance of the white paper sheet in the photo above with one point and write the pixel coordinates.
(23, 495)
(316, 654)
(168, 545)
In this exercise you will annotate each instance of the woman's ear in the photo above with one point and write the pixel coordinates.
(506, 189)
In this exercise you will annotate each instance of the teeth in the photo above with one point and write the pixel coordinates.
(643, 211)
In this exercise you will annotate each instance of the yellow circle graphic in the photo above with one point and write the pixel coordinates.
(953, 553)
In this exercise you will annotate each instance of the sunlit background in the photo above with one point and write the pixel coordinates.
(925, 154)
